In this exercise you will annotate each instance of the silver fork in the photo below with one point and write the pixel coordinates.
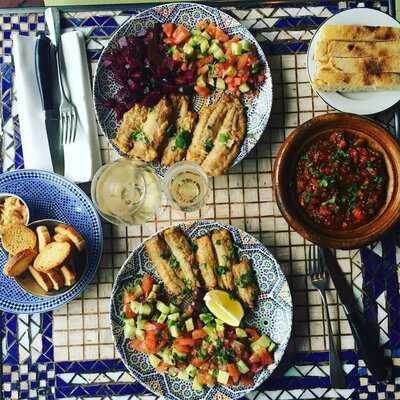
(68, 115)
(319, 280)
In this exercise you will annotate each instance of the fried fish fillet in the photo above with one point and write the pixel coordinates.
(184, 254)
(359, 32)
(207, 262)
(228, 141)
(324, 50)
(159, 255)
(221, 239)
(149, 139)
(132, 122)
(208, 125)
(245, 281)
(185, 121)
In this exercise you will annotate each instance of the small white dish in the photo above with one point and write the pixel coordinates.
(362, 103)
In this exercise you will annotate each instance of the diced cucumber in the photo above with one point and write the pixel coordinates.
(240, 333)
(188, 49)
(236, 48)
(272, 347)
(173, 371)
(214, 372)
(173, 308)
(219, 327)
(201, 81)
(262, 342)
(244, 87)
(189, 325)
(161, 319)
(196, 385)
(219, 55)
(153, 294)
(178, 355)
(154, 360)
(162, 307)
(174, 331)
(137, 290)
(191, 371)
(242, 367)
(196, 32)
(231, 71)
(211, 332)
(220, 84)
(206, 35)
(129, 328)
(204, 45)
(140, 323)
(167, 357)
(139, 308)
(214, 48)
(183, 375)
(211, 82)
(216, 41)
(246, 45)
(223, 377)
(174, 316)
(139, 333)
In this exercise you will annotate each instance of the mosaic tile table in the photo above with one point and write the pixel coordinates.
(69, 353)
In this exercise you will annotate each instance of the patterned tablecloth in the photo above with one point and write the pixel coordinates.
(70, 354)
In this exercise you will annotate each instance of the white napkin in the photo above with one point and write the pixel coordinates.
(82, 158)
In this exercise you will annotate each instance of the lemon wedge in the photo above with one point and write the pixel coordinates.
(224, 307)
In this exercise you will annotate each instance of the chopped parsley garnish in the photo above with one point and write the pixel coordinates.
(332, 200)
(307, 196)
(224, 355)
(223, 138)
(201, 354)
(304, 157)
(207, 318)
(245, 279)
(340, 155)
(170, 323)
(171, 50)
(221, 270)
(218, 242)
(324, 182)
(211, 69)
(166, 255)
(173, 262)
(182, 140)
(139, 137)
(233, 252)
(137, 282)
(255, 68)
(208, 145)
(171, 131)
(378, 179)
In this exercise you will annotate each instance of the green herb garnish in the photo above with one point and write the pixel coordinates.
(255, 68)
(223, 138)
(304, 157)
(173, 262)
(245, 279)
(221, 270)
(307, 196)
(166, 255)
(182, 139)
(332, 200)
(170, 131)
(201, 354)
(218, 242)
(208, 145)
(139, 137)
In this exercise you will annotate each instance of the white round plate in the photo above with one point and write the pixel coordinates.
(362, 103)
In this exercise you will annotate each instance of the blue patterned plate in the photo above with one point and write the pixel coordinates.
(258, 104)
(50, 196)
(272, 315)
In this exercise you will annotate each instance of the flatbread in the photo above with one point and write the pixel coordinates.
(359, 33)
(366, 65)
(348, 49)
(329, 79)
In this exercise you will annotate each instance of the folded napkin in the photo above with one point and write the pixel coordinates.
(82, 158)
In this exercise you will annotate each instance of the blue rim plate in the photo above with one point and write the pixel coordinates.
(50, 196)
(272, 315)
(257, 104)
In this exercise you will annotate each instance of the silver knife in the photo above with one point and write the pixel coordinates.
(44, 64)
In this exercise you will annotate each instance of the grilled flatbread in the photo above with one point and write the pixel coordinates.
(368, 65)
(325, 50)
(359, 32)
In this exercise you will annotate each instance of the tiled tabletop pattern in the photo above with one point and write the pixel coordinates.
(69, 353)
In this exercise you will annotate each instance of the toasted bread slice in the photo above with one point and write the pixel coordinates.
(43, 236)
(57, 278)
(58, 237)
(19, 263)
(72, 234)
(52, 256)
(17, 238)
(69, 274)
(42, 279)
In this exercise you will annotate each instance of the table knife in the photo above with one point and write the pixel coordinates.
(365, 337)
(44, 64)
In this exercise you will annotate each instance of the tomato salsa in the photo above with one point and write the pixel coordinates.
(341, 181)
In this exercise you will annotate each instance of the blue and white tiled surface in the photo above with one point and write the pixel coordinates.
(69, 353)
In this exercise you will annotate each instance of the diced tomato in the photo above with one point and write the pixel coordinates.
(246, 380)
(243, 61)
(189, 310)
(196, 362)
(252, 334)
(128, 311)
(203, 70)
(221, 35)
(153, 326)
(238, 348)
(168, 29)
(237, 81)
(138, 345)
(151, 342)
(202, 25)
(210, 29)
(233, 372)
(185, 341)
(204, 378)
(162, 367)
(170, 41)
(147, 284)
(358, 214)
(199, 334)
(182, 349)
(128, 297)
(257, 367)
(204, 60)
(180, 35)
(202, 91)
(229, 80)
(262, 357)
(177, 56)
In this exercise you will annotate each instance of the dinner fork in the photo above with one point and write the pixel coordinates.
(320, 281)
(68, 115)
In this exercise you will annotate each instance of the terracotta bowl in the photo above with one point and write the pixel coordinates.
(285, 170)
